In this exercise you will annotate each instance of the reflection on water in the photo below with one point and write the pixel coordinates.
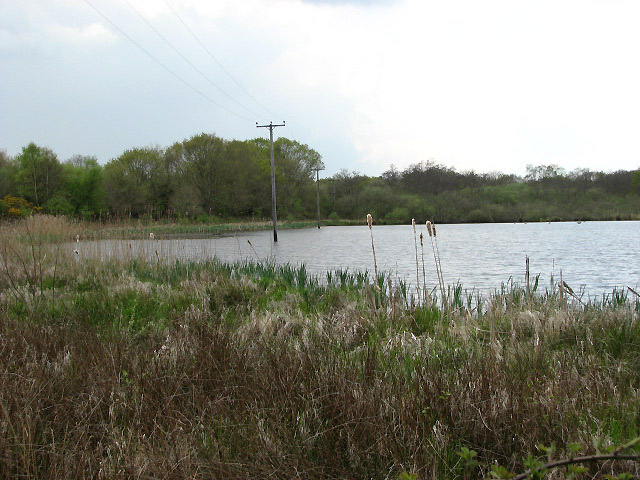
(594, 256)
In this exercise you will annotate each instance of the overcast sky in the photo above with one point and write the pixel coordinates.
(484, 85)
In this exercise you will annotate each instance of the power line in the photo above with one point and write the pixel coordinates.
(165, 67)
(190, 63)
(220, 64)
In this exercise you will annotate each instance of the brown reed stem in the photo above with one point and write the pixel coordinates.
(424, 275)
(373, 248)
(415, 242)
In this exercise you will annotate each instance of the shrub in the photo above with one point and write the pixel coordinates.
(17, 207)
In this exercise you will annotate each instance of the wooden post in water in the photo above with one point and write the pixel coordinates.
(317, 169)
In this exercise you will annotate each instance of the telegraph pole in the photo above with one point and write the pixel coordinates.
(317, 169)
(274, 217)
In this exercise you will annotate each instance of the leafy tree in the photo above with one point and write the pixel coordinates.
(134, 182)
(295, 176)
(203, 158)
(59, 205)
(39, 174)
(431, 178)
(346, 190)
(7, 174)
(397, 216)
(85, 185)
(635, 182)
(618, 182)
(185, 202)
(248, 189)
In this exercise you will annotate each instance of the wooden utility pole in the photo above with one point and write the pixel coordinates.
(317, 169)
(274, 216)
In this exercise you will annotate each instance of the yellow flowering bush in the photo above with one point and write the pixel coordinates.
(16, 207)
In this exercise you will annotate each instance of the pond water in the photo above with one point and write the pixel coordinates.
(594, 257)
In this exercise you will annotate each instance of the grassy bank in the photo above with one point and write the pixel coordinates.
(150, 370)
(138, 229)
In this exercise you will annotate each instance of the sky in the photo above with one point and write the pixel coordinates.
(488, 86)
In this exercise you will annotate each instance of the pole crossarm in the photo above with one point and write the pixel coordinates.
(271, 125)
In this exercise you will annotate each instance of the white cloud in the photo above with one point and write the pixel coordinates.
(82, 35)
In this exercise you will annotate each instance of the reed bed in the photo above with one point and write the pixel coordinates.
(130, 368)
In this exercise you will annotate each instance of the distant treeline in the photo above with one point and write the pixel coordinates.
(207, 178)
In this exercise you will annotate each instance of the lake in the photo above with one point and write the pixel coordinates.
(594, 257)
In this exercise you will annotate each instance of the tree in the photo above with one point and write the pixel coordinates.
(135, 182)
(431, 178)
(248, 189)
(7, 174)
(85, 185)
(203, 157)
(295, 164)
(635, 182)
(346, 190)
(39, 174)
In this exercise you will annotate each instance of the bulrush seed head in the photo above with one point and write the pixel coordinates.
(429, 228)
(369, 220)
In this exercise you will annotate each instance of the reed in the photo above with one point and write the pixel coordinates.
(373, 247)
(415, 243)
(424, 275)
(431, 230)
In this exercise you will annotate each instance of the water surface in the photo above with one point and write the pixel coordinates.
(592, 256)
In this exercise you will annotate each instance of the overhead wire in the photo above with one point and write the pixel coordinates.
(190, 63)
(220, 64)
(178, 77)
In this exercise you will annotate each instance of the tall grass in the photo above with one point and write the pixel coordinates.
(143, 369)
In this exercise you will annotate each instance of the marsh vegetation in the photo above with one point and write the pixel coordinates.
(143, 368)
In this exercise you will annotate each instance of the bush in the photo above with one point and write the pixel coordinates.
(398, 216)
(59, 206)
(17, 207)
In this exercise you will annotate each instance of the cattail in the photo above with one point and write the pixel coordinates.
(435, 241)
(373, 248)
(429, 228)
(424, 275)
(415, 241)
